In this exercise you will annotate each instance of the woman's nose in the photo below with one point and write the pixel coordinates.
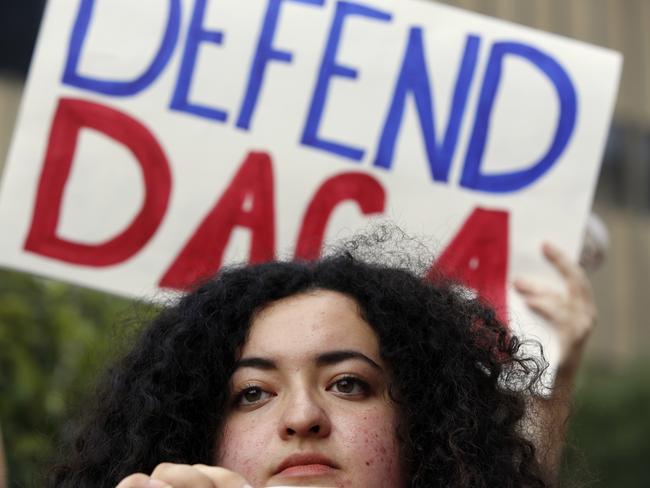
(304, 416)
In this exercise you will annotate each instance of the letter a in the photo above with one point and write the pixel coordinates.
(478, 257)
(203, 254)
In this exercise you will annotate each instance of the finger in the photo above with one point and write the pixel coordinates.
(140, 480)
(576, 278)
(558, 259)
(527, 286)
(182, 476)
(547, 305)
(223, 478)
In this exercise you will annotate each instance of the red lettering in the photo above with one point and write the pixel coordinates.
(478, 257)
(71, 116)
(253, 181)
(360, 187)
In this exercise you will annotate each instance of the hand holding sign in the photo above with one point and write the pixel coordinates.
(571, 312)
(168, 475)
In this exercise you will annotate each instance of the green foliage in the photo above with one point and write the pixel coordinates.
(609, 435)
(53, 340)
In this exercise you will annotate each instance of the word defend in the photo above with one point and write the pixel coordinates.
(412, 81)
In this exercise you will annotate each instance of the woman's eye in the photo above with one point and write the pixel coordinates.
(350, 386)
(252, 395)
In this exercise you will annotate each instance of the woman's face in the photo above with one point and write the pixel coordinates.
(310, 405)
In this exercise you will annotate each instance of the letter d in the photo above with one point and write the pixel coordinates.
(71, 116)
(473, 177)
(117, 88)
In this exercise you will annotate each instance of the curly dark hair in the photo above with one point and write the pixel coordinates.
(457, 381)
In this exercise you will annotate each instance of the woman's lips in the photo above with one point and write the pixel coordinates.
(304, 470)
(306, 464)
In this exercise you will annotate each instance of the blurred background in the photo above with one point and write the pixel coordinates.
(55, 337)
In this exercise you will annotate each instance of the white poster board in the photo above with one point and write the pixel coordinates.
(158, 140)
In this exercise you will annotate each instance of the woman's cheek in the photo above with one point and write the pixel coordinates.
(240, 449)
(372, 446)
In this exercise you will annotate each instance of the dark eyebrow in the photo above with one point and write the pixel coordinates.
(253, 362)
(334, 357)
(326, 358)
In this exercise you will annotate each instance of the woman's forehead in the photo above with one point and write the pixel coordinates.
(308, 324)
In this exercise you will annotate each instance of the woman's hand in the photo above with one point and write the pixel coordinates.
(168, 475)
(572, 314)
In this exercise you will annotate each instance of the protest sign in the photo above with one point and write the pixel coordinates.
(159, 140)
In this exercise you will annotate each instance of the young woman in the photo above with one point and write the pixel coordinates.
(334, 373)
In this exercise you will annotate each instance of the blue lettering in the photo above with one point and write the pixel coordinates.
(195, 36)
(414, 79)
(472, 176)
(265, 52)
(111, 87)
(330, 68)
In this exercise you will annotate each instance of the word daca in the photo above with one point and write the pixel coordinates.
(477, 256)
(412, 81)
